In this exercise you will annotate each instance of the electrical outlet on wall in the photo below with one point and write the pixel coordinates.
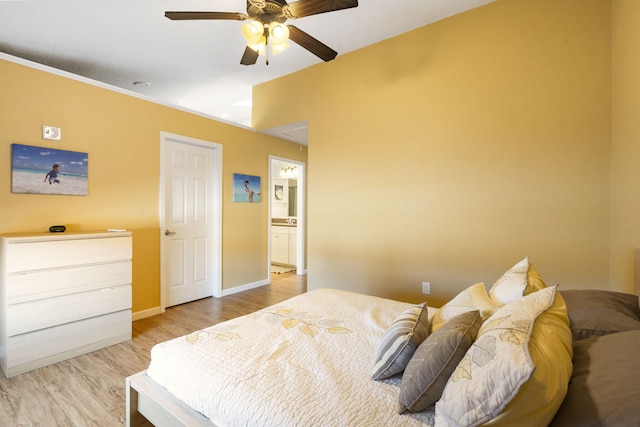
(426, 288)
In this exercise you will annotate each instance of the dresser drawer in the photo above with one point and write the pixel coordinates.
(40, 255)
(40, 348)
(45, 313)
(40, 284)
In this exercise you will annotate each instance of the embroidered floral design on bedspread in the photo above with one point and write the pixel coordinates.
(220, 334)
(308, 324)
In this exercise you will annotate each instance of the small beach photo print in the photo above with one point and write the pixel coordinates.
(39, 170)
(246, 188)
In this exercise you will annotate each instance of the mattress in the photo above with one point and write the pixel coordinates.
(307, 361)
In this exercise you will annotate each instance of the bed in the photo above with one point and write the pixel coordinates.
(520, 352)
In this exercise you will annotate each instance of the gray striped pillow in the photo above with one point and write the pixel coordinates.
(400, 340)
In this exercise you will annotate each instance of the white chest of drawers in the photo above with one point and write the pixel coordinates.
(62, 295)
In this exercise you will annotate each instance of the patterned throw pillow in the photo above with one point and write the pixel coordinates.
(399, 342)
(529, 334)
(434, 361)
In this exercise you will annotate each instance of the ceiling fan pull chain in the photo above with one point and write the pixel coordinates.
(266, 45)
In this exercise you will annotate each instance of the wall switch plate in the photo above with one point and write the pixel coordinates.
(51, 133)
(426, 288)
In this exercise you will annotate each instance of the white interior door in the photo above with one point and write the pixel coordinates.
(190, 211)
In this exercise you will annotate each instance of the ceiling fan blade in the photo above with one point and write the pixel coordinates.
(249, 57)
(181, 16)
(313, 7)
(313, 45)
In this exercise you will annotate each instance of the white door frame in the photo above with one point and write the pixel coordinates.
(301, 214)
(215, 232)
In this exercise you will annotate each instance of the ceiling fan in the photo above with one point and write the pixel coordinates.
(265, 24)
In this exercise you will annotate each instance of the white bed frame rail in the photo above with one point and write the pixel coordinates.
(149, 404)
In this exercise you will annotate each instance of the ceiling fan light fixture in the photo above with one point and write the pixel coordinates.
(278, 37)
(264, 25)
(281, 47)
(278, 33)
(253, 32)
(261, 48)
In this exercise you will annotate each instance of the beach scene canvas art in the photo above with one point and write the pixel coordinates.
(246, 188)
(39, 170)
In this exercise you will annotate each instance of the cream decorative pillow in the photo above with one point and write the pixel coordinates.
(512, 284)
(475, 297)
(521, 279)
(400, 340)
(529, 334)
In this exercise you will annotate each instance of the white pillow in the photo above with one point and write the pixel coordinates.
(512, 284)
(499, 363)
(473, 298)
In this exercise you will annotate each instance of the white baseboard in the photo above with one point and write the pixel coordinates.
(246, 287)
(156, 310)
(145, 313)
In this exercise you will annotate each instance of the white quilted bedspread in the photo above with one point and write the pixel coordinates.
(304, 362)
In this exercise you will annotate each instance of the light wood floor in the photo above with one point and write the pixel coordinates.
(89, 390)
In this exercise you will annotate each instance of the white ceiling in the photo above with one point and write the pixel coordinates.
(194, 65)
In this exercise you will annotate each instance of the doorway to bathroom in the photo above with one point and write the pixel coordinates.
(287, 216)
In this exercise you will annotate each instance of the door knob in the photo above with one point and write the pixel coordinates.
(169, 233)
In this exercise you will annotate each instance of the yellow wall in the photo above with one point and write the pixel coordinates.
(449, 153)
(121, 133)
(625, 153)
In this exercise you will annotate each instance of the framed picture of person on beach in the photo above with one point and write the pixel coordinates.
(246, 188)
(39, 170)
